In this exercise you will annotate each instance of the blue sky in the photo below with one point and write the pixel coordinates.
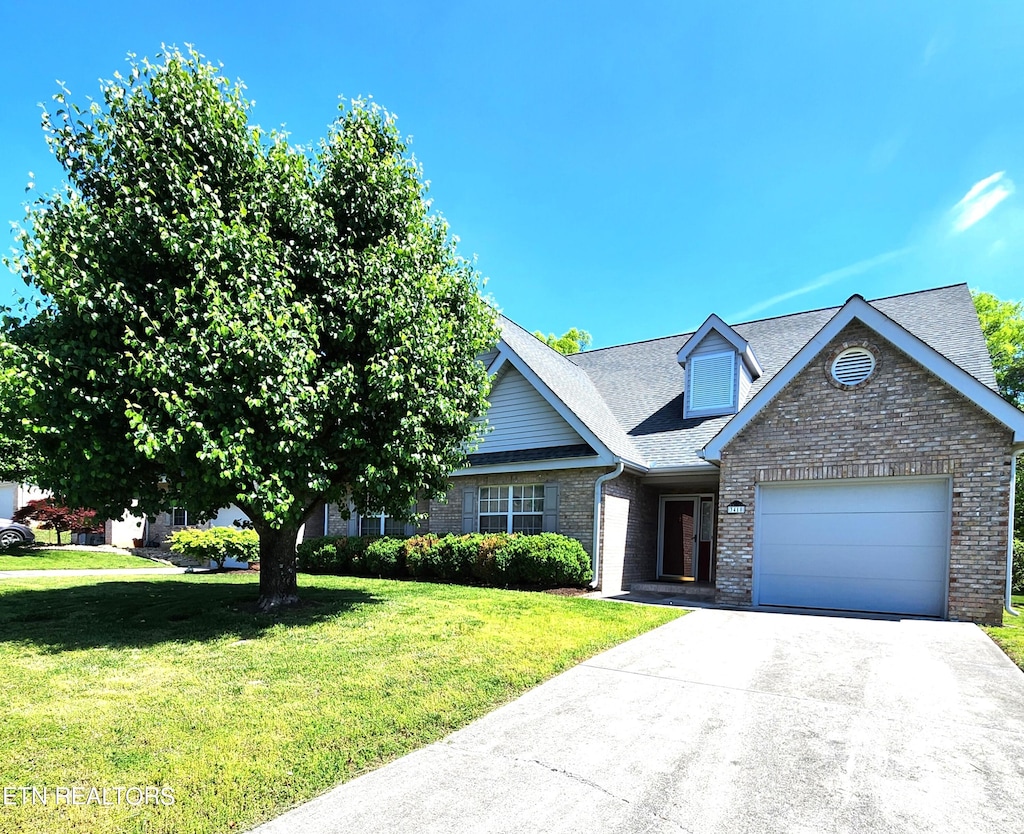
(628, 168)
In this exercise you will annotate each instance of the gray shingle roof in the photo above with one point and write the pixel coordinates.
(571, 385)
(640, 385)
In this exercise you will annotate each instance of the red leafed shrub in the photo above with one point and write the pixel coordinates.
(50, 515)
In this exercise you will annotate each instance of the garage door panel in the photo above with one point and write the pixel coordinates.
(873, 529)
(856, 562)
(882, 496)
(871, 545)
(878, 595)
(7, 500)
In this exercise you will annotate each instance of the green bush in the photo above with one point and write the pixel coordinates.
(1018, 566)
(547, 560)
(337, 555)
(217, 544)
(385, 557)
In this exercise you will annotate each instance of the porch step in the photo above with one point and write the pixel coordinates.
(693, 590)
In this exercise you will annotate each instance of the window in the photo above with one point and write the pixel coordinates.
(512, 509)
(381, 525)
(179, 517)
(712, 382)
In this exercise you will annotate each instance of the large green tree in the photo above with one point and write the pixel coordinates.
(230, 319)
(1002, 322)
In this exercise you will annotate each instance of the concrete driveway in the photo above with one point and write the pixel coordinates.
(726, 721)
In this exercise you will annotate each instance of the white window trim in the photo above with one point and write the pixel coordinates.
(382, 518)
(184, 512)
(721, 408)
(509, 514)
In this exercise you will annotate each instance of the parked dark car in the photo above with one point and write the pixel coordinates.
(13, 533)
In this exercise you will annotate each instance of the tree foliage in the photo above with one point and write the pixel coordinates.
(230, 319)
(53, 516)
(573, 340)
(1002, 322)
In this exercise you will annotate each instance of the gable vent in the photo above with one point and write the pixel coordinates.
(853, 366)
(712, 381)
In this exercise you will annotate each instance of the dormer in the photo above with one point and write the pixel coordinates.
(720, 367)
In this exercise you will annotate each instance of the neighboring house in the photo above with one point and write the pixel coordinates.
(15, 496)
(853, 458)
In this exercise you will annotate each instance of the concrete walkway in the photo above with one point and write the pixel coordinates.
(726, 721)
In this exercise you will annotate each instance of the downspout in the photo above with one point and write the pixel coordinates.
(600, 482)
(1008, 602)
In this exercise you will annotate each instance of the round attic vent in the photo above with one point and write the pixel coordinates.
(853, 366)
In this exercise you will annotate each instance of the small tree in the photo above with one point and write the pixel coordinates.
(229, 319)
(50, 515)
(572, 341)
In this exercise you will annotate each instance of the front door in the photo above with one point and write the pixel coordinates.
(686, 538)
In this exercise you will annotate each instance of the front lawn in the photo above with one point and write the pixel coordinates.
(171, 682)
(1010, 636)
(29, 558)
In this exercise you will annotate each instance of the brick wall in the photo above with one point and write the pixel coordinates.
(575, 500)
(903, 421)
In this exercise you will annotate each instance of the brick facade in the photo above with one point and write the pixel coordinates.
(903, 421)
(575, 500)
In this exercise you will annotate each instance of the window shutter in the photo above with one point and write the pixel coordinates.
(469, 516)
(353, 524)
(550, 508)
(410, 529)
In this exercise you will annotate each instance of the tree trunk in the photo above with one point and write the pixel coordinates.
(278, 586)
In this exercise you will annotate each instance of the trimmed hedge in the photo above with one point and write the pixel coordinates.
(547, 560)
(217, 544)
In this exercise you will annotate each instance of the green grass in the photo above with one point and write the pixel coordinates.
(173, 681)
(1010, 636)
(29, 558)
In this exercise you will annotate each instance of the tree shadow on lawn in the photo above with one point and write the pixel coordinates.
(140, 614)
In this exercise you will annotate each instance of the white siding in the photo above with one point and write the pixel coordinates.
(713, 342)
(487, 357)
(745, 383)
(520, 418)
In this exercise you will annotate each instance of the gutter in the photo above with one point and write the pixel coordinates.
(600, 482)
(1008, 601)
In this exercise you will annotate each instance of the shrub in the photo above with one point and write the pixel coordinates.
(53, 516)
(547, 560)
(385, 557)
(1018, 566)
(217, 545)
(337, 555)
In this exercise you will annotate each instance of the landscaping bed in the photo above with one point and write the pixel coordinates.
(1010, 635)
(173, 683)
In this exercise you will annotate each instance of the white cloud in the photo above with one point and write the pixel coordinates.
(980, 200)
(823, 280)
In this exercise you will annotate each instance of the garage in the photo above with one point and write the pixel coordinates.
(869, 545)
(7, 496)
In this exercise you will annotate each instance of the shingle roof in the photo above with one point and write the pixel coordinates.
(640, 385)
(571, 385)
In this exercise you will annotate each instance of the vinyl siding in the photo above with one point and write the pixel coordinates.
(520, 418)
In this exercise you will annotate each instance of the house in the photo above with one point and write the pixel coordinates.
(852, 458)
(15, 496)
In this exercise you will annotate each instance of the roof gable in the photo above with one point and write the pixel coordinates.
(714, 324)
(856, 308)
(521, 418)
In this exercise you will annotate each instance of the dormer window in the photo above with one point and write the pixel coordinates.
(720, 368)
(712, 382)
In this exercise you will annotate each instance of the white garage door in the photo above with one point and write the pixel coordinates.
(854, 546)
(7, 492)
